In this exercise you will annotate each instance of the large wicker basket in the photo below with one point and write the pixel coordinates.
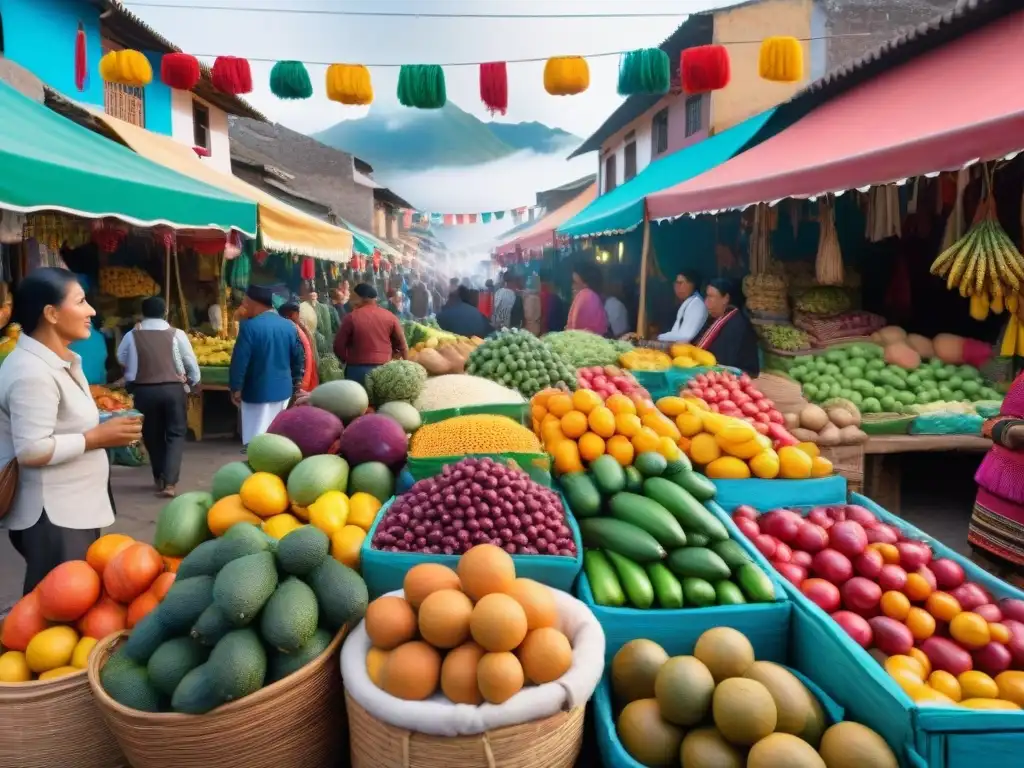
(554, 742)
(53, 724)
(297, 722)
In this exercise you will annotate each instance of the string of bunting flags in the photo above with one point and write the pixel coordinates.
(514, 217)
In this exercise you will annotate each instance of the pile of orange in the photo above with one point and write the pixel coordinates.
(578, 427)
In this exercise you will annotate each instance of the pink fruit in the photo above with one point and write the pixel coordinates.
(794, 574)
(832, 565)
(855, 626)
(782, 524)
(989, 612)
(748, 527)
(882, 534)
(766, 545)
(892, 578)
(848, 537)
(948, 573)
(860, 594)
(745, 510)
(822, 593)
(926, 573)
(810, 537)
(970, 595)
(946, 655)
(869, 563)
(820, 517)
(860, 515)
(1012, 608)
(801, 558)
(1016, 644)
(913, 554)
(783, 554)
(992, 659)
(890, 636)
(837, 513)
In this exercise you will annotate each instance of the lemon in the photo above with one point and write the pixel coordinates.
(14, 668)
(279, 526)
(80, 656)
(51, 648)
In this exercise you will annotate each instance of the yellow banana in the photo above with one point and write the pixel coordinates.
(979, 306)
(1012, 302)
(985, 251)
(1006, 275)
(1008, 347)
(956, 272)
(967, 281)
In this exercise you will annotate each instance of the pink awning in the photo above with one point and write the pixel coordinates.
(542, 233)
(941, 111)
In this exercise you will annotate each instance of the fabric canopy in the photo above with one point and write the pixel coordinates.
(542, 233)
(622, 209)
(365, 244)
(940, 111)
(47, 162)
(282, 227)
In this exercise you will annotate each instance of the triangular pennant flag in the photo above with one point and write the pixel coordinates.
(486, 218)
(436, 218)
(449, 219)
(460, 218)
(499, 215)
(472, 218)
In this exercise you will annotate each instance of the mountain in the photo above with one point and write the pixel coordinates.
(416, 140)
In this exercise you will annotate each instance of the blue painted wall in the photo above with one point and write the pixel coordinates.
(158, 100)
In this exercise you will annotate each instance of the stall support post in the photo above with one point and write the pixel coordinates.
(185, 322)
(167, 273)
(641, 320)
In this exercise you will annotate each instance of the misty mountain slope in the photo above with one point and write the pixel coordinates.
(414, 140)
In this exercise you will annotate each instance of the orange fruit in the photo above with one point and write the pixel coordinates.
(661, 424)
(620, 449)
(627, 424)
(591, 446)
(970, 630)
(890, 554)
(538, 412)
(574, 424)
(920, 623)
(542, 397)
(586, 400)
(917, 588)
(945, 683)
(602, 421)
(942, 605)
(559, 405)
(1000, 633)
(102, 550)
(551, 432)
(645, 440)
(895, 605)
(566, 455)
(644, 406)
(668, 448)
(619, 404)
(688, 424)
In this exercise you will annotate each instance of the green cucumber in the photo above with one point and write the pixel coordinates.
(634, 480)
(678, 464)
(698, 562)
(650, 516)
(755, 584)
(581, 493)
(685, 508)
(624, 538)
(608, 475)
(727, 593)
(667, 588)
(697, 539)
(698, 592)
(634, 580)
(731, 552)
(604, 584)
(694, 483)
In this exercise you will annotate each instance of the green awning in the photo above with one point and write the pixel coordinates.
(622, 209)
(365, 244)
(49, 163)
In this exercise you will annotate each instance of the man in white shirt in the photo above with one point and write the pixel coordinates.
(158, 360)
(691, 315)
(618, 317)
(307, 306)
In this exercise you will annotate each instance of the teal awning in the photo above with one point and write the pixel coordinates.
(622, 209)
(365, 244)
(49, 163)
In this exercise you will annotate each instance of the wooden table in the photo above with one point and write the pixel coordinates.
(883, 472)
(196, 408)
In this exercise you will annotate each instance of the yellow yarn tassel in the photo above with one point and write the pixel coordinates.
(781, 60)
(127, 67)
(349, 84)
(1010, 343)
(566, 75)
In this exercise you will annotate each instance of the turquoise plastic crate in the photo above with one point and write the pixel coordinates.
(668, 382)
(519, 412)
(769, 494)
(385, 571)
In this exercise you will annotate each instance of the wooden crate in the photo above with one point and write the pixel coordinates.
(848, 461)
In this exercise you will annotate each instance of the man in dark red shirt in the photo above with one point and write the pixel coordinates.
(369, 335)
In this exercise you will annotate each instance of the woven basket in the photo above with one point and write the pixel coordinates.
(55, 723)
(848, 461)
(554, 742)
(295, 723)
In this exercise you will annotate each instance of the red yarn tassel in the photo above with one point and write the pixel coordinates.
(179, 71)
(494, 86)
(307, 269)
(704, 68)
(81, 60)
(232, 75)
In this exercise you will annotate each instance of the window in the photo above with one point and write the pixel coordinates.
(659, 133)
(629, 161)
(694, 114)
(122, 101)
(201, 125)
(609, 173)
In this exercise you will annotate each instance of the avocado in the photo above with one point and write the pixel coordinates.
(280, 665)
(290, 616)
(195, 694)
(608, 475)
(184, 604)
(244, 585)
(146, 637)
(341, 594)
(173, 660)
(302, 550)
(128, 684)
(201, 561)
(211, 626)
(240, 540)
(237, 665)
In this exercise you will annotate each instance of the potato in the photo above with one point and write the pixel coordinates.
(804, 435)
(851, 435)
(840, 417)
(828, 436)
(792, 421)
(813, 418)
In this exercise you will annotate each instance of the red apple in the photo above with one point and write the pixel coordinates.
(992, 659)
(989, 612)
(860, 594)
(766, 545)
(822, 593)
(848, 537)
(1012, 608)
(860, 515)
(801, 558)
(745, 510)
(782, 524)
(869, 563)
(914, 554)
(892, 578)
(832, 565)
(970, 595)
(748, 527)
(948, 573)
(810, 537)
(891, 636)
(1016, 644)
(820, 517)
(855, 626)
(791, 572)
(783, 553)
(881, 533)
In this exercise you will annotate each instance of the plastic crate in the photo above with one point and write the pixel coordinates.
(767, 494)
(385, 571)
(668, 382)
(519, 412)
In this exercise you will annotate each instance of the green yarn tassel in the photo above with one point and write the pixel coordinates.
(290, 80)
(421, 86)
(647, 70)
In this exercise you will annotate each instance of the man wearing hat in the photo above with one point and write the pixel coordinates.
(369, 335)
(267, 365)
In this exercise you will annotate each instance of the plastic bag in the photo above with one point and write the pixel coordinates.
(947, 424)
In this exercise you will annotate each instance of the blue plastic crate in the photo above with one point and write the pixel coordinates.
(769, 494)
(667, 383)
(385, 571)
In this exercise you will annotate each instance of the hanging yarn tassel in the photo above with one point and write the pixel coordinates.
(566, 75)
(81, 60)
(421, 86)
(494, 86)
(289, 80)
(349, 84)
(127, 67)
(179, 71)
(646, 70)
(231, 75)
(781, 60)
(705, 68)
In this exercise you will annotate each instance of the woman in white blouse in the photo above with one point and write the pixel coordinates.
(50, 425)
(691, 315)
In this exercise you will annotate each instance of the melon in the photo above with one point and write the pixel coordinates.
(646, 736)
(273, 453)
(705, 746)
(227, 481)
(315, 476)
(181, 524)
(635, 668)
(373, 478)
(782, 750)
(903, 355)
(852, 745)
(743, 710)
(345, 399)
(724, 651)
(313, 429)
(799, 711)
(374, 437)
(683, 688)
(403, 413)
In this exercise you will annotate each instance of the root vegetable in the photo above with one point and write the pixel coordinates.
(852, 436)
(840, 417)
(804, 435)
(792, 421)
(813, 418)
(829, 436)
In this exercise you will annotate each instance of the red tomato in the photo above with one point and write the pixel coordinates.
(775, 417)
(762, 418)
(748, 408)
(764, 405)
(745, 379)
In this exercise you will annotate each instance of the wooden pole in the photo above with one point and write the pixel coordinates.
(641, 319)
(185, 322)
(167, 273)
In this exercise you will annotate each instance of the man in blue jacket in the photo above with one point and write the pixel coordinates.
(267, 364)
